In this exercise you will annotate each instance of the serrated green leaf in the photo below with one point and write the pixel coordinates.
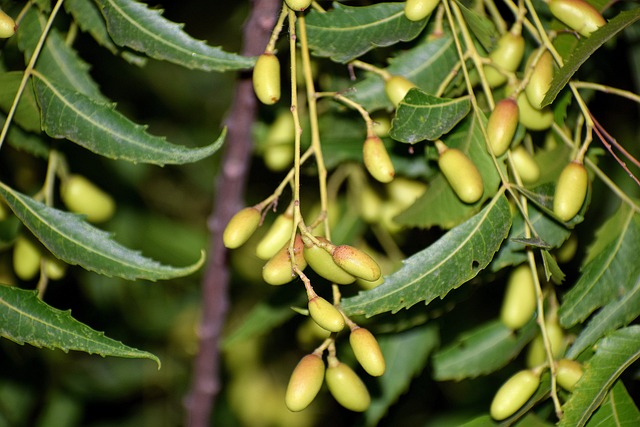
(26, 319)
(481, 27)
(586, 47)
(610, 274)
(422, 116)
(346, 32)
(405, 354)
(552, 270)
(439, 205)
(26, 141)
(134, 25)
(617, 410)
(426, 65)
(482, 350)
(614, 354)
(76, 242)
(454, 259)
(27, 115)
(98, 127)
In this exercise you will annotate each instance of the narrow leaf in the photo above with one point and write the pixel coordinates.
(586, 47)
(27, 115)
(98, 127)
(345, 32)
(27, 319)
(76, 242)
(481, 26)
(134, 25)
(614, 354)
(617, 410)
(448, 263)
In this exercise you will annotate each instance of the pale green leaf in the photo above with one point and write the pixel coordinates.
(27, 115)
(481, 421)
(617, 410)
(26, 319)
(345, 32)
(454, 259)
(614, 354)
(77, 242)
(135, 25)
(482, 350)
(98, 127)
(422, 116)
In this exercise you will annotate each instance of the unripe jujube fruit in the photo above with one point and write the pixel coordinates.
(266, 78)
(298, 5)
(525, 165)
(346, 387)
(462, 175)
(502, 125)
(568, 372)
(54, 268)
(377, 160)
(536, 354)
(417, 10)
(505, 57)
(278, 147)
(540, 79)
(305, 382)
(325, 314)
(578, 15)
(278, 270)
(404, 192)
(571, 191)
(278, 234)
(7, 26)
(82, 196)
(519, 301)
(396, 88)
(367, 351)
(356, 262)
(533, 118)
(514, 393)
(26, 258)
(240, 227)
(322, 263)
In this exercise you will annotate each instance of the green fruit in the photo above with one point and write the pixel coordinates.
(26, 258)
(514, 393)
(571, 191)
(241, 226)
(531, 117)
(404, 192)
(322, 263)
(502, 125)
(367, 351)
(540, 79)
(417, 10)
(525, 165)
(396, 88)
(325, 314)
(536, 354)
(7, 25)
(519, 302)
(356, 262)
(346, 387)
(568, 373)
(82, 196)
(266, 78)
(305, 382)
(578, 15)
(505, 57)
(377, 160)
(309, 333)
(370, 205)
(462, 175)
(278, 270)
(278, 234)
(298, 5)
(54, 268)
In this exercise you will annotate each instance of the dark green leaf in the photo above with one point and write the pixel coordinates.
(552, 270)
(345, 32)
(27, 115)
(450, 262)
(617, 410)
(76, 242)
(26, 319)
(481, 27)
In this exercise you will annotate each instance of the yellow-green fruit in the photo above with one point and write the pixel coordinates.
(462, 175)
(305, 382)
(531, 117)
(266, 78)
(54, 268)
(367, 351)
(567, 251)
(536, 354)
(571, 191)
(417, 10)
(377, 160)
(278, 147)
(309, 333)
(519, 301)
(325, 314)
(404, 192)
(322, 263)
(7, 25)
(540, 79)
(525, 165)
(514, 393)
(26, 258)
(370, 205)
(568, 372)
(241, 226)
(356, 262)
(578, 15)
(396, 88)
(381, 125)
(278, 270)
(298, 5)
(278, 234)
(505, 57)
(278, 157)
(82, 196)
(502, 125)
(346, 387)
